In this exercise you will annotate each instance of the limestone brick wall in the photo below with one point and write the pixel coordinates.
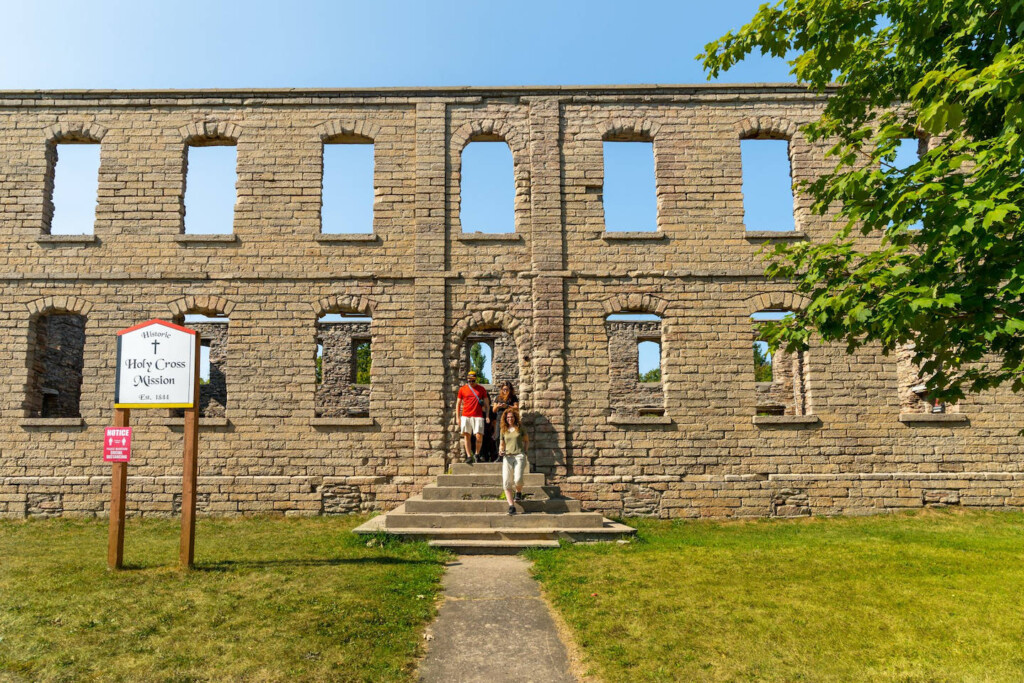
(542, 294)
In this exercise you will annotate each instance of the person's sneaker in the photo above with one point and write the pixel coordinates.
(518, 497)
(511, 509)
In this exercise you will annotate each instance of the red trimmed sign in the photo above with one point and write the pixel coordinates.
(117, 444)
(155, 366)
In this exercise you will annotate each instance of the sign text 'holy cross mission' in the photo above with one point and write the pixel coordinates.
(156, 368)
(155, 362)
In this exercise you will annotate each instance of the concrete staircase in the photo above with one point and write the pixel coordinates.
(465, 511)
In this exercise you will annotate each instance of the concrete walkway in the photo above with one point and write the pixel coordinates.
(493, 626)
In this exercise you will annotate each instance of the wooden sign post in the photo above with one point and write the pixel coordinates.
(157, 367)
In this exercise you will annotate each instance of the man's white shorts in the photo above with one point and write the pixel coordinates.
(472, 425)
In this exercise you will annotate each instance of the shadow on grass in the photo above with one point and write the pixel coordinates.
(229, 565)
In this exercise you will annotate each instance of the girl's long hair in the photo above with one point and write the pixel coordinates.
(507, 394)
(514, 413)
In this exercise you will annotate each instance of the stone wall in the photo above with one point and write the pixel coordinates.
(549, 288)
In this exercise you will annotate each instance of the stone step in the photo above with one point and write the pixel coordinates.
(491, 547)
(532, 479)
(435, 492)
(476, 468)
(486, 520)
(546, 505)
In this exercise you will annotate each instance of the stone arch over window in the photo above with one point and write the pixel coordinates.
(203, 305)
(781, 380)
(55, 356)
(214, 336)
(635, 303)
(343, 360)
(342, 303)
(200, 133)
(348, 130)
(629, 130)
(63, 133)
(490, 130)
(631, 323)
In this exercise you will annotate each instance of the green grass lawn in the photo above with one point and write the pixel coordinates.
(932, 596)
(271, 599)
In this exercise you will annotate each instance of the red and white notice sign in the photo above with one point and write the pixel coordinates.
(117, 444)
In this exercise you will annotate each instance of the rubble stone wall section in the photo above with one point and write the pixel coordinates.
(429, 287)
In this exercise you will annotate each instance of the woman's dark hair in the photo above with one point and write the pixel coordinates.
(507, 393)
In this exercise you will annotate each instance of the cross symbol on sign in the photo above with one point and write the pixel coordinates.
(155, 343)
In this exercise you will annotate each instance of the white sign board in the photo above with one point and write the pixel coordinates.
(155, 366)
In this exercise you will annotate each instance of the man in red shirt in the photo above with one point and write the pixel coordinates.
(473, 408)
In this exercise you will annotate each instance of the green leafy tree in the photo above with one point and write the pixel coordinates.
(476, 363)
(319, 370)
(930, 254)
(652, 375)
(762, 363)
(363, 362)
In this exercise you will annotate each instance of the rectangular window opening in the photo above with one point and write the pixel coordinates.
(908, 153)
(630, 189)
(75, 188)
(348, 191)
(767, 186)
(649, 360)
(204, 362)
(362, 360)
(343, 365)
(481, 353)
(488, 188)
(210, 193)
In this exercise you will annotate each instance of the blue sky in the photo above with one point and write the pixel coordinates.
(379, 43)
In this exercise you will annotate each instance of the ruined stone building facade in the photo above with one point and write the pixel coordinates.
(831, 433)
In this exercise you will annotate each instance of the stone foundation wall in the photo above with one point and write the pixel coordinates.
(272, 441)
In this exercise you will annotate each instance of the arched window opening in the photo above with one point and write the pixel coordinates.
(635, 364)
(780, 378)
(488, 188)
(344, 362)
(56, 358)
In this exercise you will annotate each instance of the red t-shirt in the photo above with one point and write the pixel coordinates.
(472, 400)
